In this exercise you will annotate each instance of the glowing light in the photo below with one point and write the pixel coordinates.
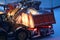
(49, 26)
(35, 29)
(31, 22)
(1, 12)
(18, 19)
(14, 11)
(33, 11)
(26, 20)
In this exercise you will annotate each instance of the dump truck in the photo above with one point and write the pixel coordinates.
(24, 22)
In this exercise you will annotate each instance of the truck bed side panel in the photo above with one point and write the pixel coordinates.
(44, 19)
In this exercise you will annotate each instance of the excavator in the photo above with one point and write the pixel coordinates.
(25, 21)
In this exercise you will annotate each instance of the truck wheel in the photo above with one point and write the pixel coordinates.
(22, 35)
(43, 34)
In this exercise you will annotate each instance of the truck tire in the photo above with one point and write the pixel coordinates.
(21, 35)
(43, 33)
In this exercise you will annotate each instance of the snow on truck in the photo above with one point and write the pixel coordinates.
(25, 21)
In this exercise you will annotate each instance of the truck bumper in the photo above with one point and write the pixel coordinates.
(42, 32)
(46, 32)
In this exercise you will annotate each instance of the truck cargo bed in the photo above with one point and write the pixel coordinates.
(44, 19)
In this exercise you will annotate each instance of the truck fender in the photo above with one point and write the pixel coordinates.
(18, 28)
